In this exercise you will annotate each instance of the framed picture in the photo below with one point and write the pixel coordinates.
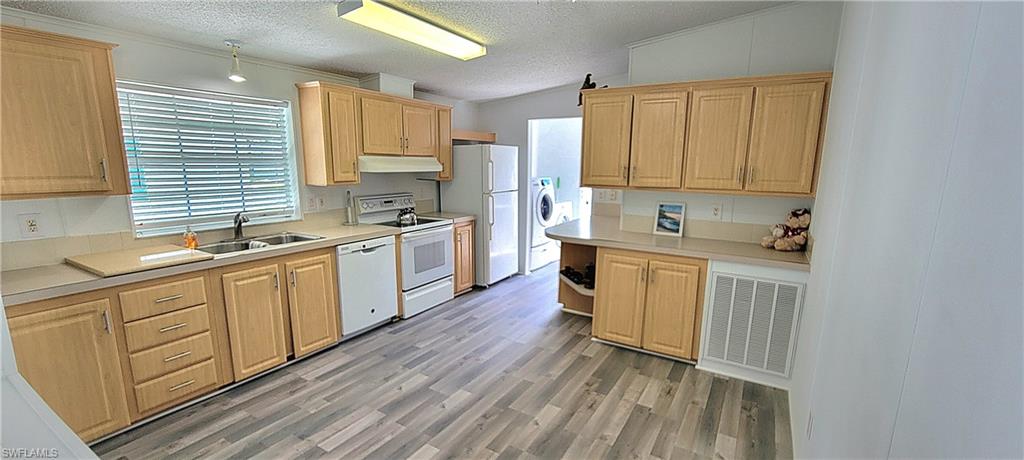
(668, 220)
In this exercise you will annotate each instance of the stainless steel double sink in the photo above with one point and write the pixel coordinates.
(256, 242)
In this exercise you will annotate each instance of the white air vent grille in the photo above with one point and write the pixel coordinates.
(751, 322)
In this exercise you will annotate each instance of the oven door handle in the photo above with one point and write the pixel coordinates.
(424, 234)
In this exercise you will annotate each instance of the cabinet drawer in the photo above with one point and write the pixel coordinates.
(162, 298)
(181, 385)
(152, 363)
(166, 328)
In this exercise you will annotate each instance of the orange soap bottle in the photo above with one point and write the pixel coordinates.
(191, 239)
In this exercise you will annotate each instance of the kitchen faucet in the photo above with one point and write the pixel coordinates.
(239, 220)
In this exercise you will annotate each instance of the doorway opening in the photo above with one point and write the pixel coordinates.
(555, 192)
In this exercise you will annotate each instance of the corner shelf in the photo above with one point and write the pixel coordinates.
(580, 289)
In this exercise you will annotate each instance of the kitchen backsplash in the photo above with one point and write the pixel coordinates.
(48, 251)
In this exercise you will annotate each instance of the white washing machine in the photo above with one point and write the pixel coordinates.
(543, 214)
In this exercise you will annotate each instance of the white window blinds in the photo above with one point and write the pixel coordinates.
(196, 158)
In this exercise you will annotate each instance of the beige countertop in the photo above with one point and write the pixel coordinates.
(38, 283)
(113, 263)
(605, 232)
(457, 217)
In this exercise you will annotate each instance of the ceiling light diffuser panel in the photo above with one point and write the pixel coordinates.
(401, 25)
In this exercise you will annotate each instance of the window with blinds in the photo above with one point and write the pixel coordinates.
(195, 158)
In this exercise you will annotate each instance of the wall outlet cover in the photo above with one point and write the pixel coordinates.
(311, 203)
(29, 225)
(716, 211)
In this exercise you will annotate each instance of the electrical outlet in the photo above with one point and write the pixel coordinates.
(613, 196)
(321, 203)
(30, 225)
(810, 424)
(716, 211)
(312, 202)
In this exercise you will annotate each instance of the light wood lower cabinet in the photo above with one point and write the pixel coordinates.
(465, 267)
(649, 301)
(255, 312)
(69, 356)
(620, 288)
(313, 303)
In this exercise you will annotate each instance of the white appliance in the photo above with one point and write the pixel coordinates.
(543, 250)
(366, 277)
(426, 245)
(485, 184)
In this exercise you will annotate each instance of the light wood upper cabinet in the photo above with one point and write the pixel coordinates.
(61, 133)
(606, 137)
(752, 135)
(313, 303)
(465, 268)
(420, 127)
(444, 143)
(341, 108)
(670, 311)
(382, 130)
(69, 356)
(255, 316)
(330, 134)
(716, 148)
(784, 141)
(620, 286)
(656, 149)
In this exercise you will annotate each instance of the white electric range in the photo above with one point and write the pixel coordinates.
(426, 252)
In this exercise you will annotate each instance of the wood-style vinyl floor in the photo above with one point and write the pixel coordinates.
(498, 373)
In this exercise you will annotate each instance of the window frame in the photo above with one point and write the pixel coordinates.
(218, 221)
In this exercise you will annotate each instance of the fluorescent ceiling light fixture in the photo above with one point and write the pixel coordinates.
(398, 24)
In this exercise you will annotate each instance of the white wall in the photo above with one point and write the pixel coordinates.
(789, 39)
(509, 120)
(920, 309)
(154, 60)
(464, 113)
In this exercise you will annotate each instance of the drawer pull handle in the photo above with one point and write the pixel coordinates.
(169, 298)
(171, 328)
(177, 356)
(181, 385)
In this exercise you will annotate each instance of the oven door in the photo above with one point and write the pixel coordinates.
(427, 255)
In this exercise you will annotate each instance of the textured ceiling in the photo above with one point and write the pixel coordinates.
(530, 45)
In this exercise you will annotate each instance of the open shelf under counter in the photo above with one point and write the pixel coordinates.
(574, 298)
(576, 287)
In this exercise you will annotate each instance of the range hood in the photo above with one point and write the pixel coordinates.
(396, 164)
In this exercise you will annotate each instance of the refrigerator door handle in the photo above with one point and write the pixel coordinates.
(490, 218)
(490, 176)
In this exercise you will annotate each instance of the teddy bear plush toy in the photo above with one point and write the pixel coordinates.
(791, 235)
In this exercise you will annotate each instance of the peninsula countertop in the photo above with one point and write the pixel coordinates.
(49, 281)
(604, 231)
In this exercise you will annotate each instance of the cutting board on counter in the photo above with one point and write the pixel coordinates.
(125, 261)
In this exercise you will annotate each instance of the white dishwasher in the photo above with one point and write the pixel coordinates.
(367, 285)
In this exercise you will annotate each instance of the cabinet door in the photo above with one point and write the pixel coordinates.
(656, 154)
(313, 303)
(341, 106)
(670, 311)
(784, 141)
(619, 298)
(716, 147)
(382, 126)
(420, 127)
(61, 133)
(464, 266)
(606, 129)
(444, 143)
(252, 301)
(70, 358)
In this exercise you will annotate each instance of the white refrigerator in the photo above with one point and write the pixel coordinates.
(485, 184)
